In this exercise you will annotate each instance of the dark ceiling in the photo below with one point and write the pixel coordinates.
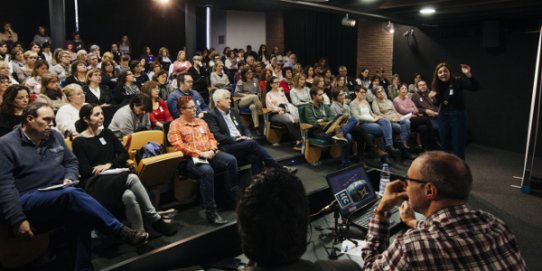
(448, 12)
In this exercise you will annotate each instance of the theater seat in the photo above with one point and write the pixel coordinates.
(137, 140)
(156, 171)
(15, 253)
(313, 147)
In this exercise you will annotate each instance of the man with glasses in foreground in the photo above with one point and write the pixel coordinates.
(452, 237)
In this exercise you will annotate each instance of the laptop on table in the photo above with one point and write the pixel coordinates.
(356, 197)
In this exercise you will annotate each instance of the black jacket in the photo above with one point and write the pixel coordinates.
(219, 128)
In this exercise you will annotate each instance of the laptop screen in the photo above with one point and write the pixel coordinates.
(351, 188)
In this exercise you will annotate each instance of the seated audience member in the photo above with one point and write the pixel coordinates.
(232, 137)
(419, 123)
(339, 107)
(393, 88)
(200, 77)
(371, 123)
(34, 82)
(219, 79)
(273, 217)
(98, 150)
(300, 94)
(137, 69)
(413, 83)
(126, 88)
(92, 60)
(163, 58)
(160, 112)
(95, 92)
(375, 84)
(384, 108)
(35, 156)
(350, 82)
(286, 83)
(78, 74)
(320, 83)
(426, 102)
(133, 117)
(15, 100)
(364, 79)
(185, 89)
(192, 136)
(452, 237)
(25, 71)
(51, 93)
(282, 111)
(248, 89)
(82, 55)
(109, 74)
(68, 114)
(319, 115)
(124, 64)
(161, 78)
(62, 69)
(4, 84)
(5, 69)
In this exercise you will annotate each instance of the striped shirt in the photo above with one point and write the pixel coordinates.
(191, 138)
(454, 238)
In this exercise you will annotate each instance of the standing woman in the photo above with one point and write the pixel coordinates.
(452, 118)
(98, 150)
(180, 66)
(160, 112)
(125, 47)
(15, 99)
(163, 58)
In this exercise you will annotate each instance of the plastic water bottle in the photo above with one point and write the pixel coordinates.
(384, 178)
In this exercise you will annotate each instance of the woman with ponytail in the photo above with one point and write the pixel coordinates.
(98, 150)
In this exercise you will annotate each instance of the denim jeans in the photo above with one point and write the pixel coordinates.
(137, 203)
(74, 208)
(252, 151)
(453, 131)
(403, 128)
(206, 173)
(382, 127)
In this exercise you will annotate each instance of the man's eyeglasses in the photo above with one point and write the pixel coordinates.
(405, 178)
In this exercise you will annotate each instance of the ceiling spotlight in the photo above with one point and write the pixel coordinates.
(348, 22)
(389, 27)
(427, 11)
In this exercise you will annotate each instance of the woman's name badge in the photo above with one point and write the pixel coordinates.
(451, 91)
(102, 140)
(161, 109)
(201, 130)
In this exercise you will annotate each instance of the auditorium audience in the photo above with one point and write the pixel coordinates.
(426, 102)
(163, 58)
(412, 87)
(192, 136)
(15, 99)
(109, 73)
(300, 93)
(393, 88)
(286, 81)
(180, 66)
(35, 156)
(452, 236)
(133, 117)
(68, 114)
(161, 78)
(160, 112)
(98, 150)
(219, 79)
(78, 74)
(364, 80)
(126, 88)
(62, 69)
(273, 218)
(139, 76)
(26, 70)
(33, 82)
(200, 75)
(235, 139)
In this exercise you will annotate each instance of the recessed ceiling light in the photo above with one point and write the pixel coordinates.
(427, 11)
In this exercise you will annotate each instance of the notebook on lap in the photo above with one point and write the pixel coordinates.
(356, 197)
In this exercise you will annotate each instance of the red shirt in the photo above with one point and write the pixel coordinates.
(160, 114)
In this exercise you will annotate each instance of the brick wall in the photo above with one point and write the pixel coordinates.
(274, 30)
(375, 48)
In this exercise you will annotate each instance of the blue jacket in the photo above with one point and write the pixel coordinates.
(173, 99)
(26, 167)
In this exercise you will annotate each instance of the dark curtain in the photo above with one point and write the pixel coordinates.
(313, 35)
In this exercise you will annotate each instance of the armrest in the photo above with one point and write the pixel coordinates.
(305, 126)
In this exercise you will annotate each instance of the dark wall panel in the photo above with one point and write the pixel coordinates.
(312, 35)
(499, 112)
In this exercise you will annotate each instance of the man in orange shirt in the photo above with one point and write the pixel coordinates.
(192, 136)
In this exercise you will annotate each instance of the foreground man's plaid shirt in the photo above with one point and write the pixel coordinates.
(453, 238)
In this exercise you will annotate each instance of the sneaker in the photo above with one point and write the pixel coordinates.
(298, 146)
(215, 218)
(291, 170)
(339, 139)
(133, 237)
(164, 228)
